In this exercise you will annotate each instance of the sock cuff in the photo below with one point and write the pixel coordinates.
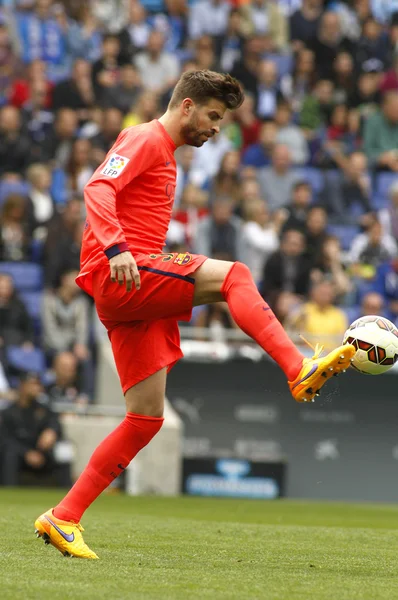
(147, 418)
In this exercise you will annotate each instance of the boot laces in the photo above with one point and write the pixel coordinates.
(317, 349)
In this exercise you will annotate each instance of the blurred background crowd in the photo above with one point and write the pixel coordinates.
(301, 184)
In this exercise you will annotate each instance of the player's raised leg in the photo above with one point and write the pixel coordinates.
(144, 402)
(221, 280)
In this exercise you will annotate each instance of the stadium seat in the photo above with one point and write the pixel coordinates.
(383, 183)
(12, 187)
(352, 313)
(345, 233)
(26, 276)
(26, 360)
(32, 301)
(314, 177)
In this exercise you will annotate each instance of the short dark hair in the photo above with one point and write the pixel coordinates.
(202, 86)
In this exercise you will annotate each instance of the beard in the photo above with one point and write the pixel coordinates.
(192, 135)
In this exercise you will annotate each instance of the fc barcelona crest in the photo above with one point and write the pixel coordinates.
(183, 259)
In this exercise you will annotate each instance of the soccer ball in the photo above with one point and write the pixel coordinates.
(376, 341)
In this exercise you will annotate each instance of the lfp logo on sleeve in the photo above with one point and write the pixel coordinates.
(115, 165)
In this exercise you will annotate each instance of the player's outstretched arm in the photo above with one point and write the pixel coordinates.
(123, 267)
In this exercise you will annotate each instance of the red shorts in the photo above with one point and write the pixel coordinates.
(142, 325)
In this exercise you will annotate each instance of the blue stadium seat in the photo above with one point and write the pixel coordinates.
(383, 183)
(13, 187)
(378, 201)
(26, 276)
(314, 177)
(345, 233)
(32, 301)
(353, 313)
(26, 360)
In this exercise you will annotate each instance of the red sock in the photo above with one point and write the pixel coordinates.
(110, 458)
(255, 318)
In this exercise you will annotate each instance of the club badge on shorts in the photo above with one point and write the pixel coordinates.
(114, 165)
(183, 259)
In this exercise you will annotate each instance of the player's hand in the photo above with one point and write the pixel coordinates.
(123, 267)
(34, 459)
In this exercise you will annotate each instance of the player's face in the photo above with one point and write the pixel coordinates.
(201, 122)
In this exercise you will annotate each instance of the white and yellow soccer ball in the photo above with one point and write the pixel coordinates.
(376, 341)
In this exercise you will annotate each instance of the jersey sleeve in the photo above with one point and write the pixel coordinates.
(129, 157)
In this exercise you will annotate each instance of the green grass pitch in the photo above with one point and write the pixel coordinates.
(193, 548)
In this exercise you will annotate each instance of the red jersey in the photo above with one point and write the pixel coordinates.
(129, 198)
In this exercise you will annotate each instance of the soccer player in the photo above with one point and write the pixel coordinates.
(140, 292)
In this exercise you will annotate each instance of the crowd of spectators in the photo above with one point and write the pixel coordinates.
(301, 184)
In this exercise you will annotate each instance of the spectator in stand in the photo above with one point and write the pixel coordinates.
(268, 92)
(16, 327)
(287, 270)
(65, 318)
(328, 42)
(207, 159)
(205, 54)
(366, 98)
(316, 108)
(135, 35)
(145, 109)
(304, 23)
(40, 199)
(373, 303)
(106, 70)
(9, 64)
(230, 45)
(158, 69)
(290, 134)
(388, 216)
(193, 207)
(30, 431)
(277, 180)
(67, 257)
(77, 92)
(386, 284)
(42, 38)
(15, 146)
(111, 127)
(83, 37)
(125, 93)
(297, 210)
(227, 180)
(329, 265)
(381, 135)
(352, 16)
(111, 15)
(37, 119)
(372, 45)
(390, 79)
(351, 189)
(248, 122)
(186, 173)
(315, 231)
(318, 319)
(298, 85)
(245, 69)
(21, 87)
(15, 229)
(220, 233)
(261, 17)
(57, 145)
(65, 386)
(259, 154)
(208, 17)
(174, 24)
(259, 237)
(79, 168)
(370, 249)
(343, 77)
(61, 234)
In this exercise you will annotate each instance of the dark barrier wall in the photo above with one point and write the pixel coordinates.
(343, 447)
